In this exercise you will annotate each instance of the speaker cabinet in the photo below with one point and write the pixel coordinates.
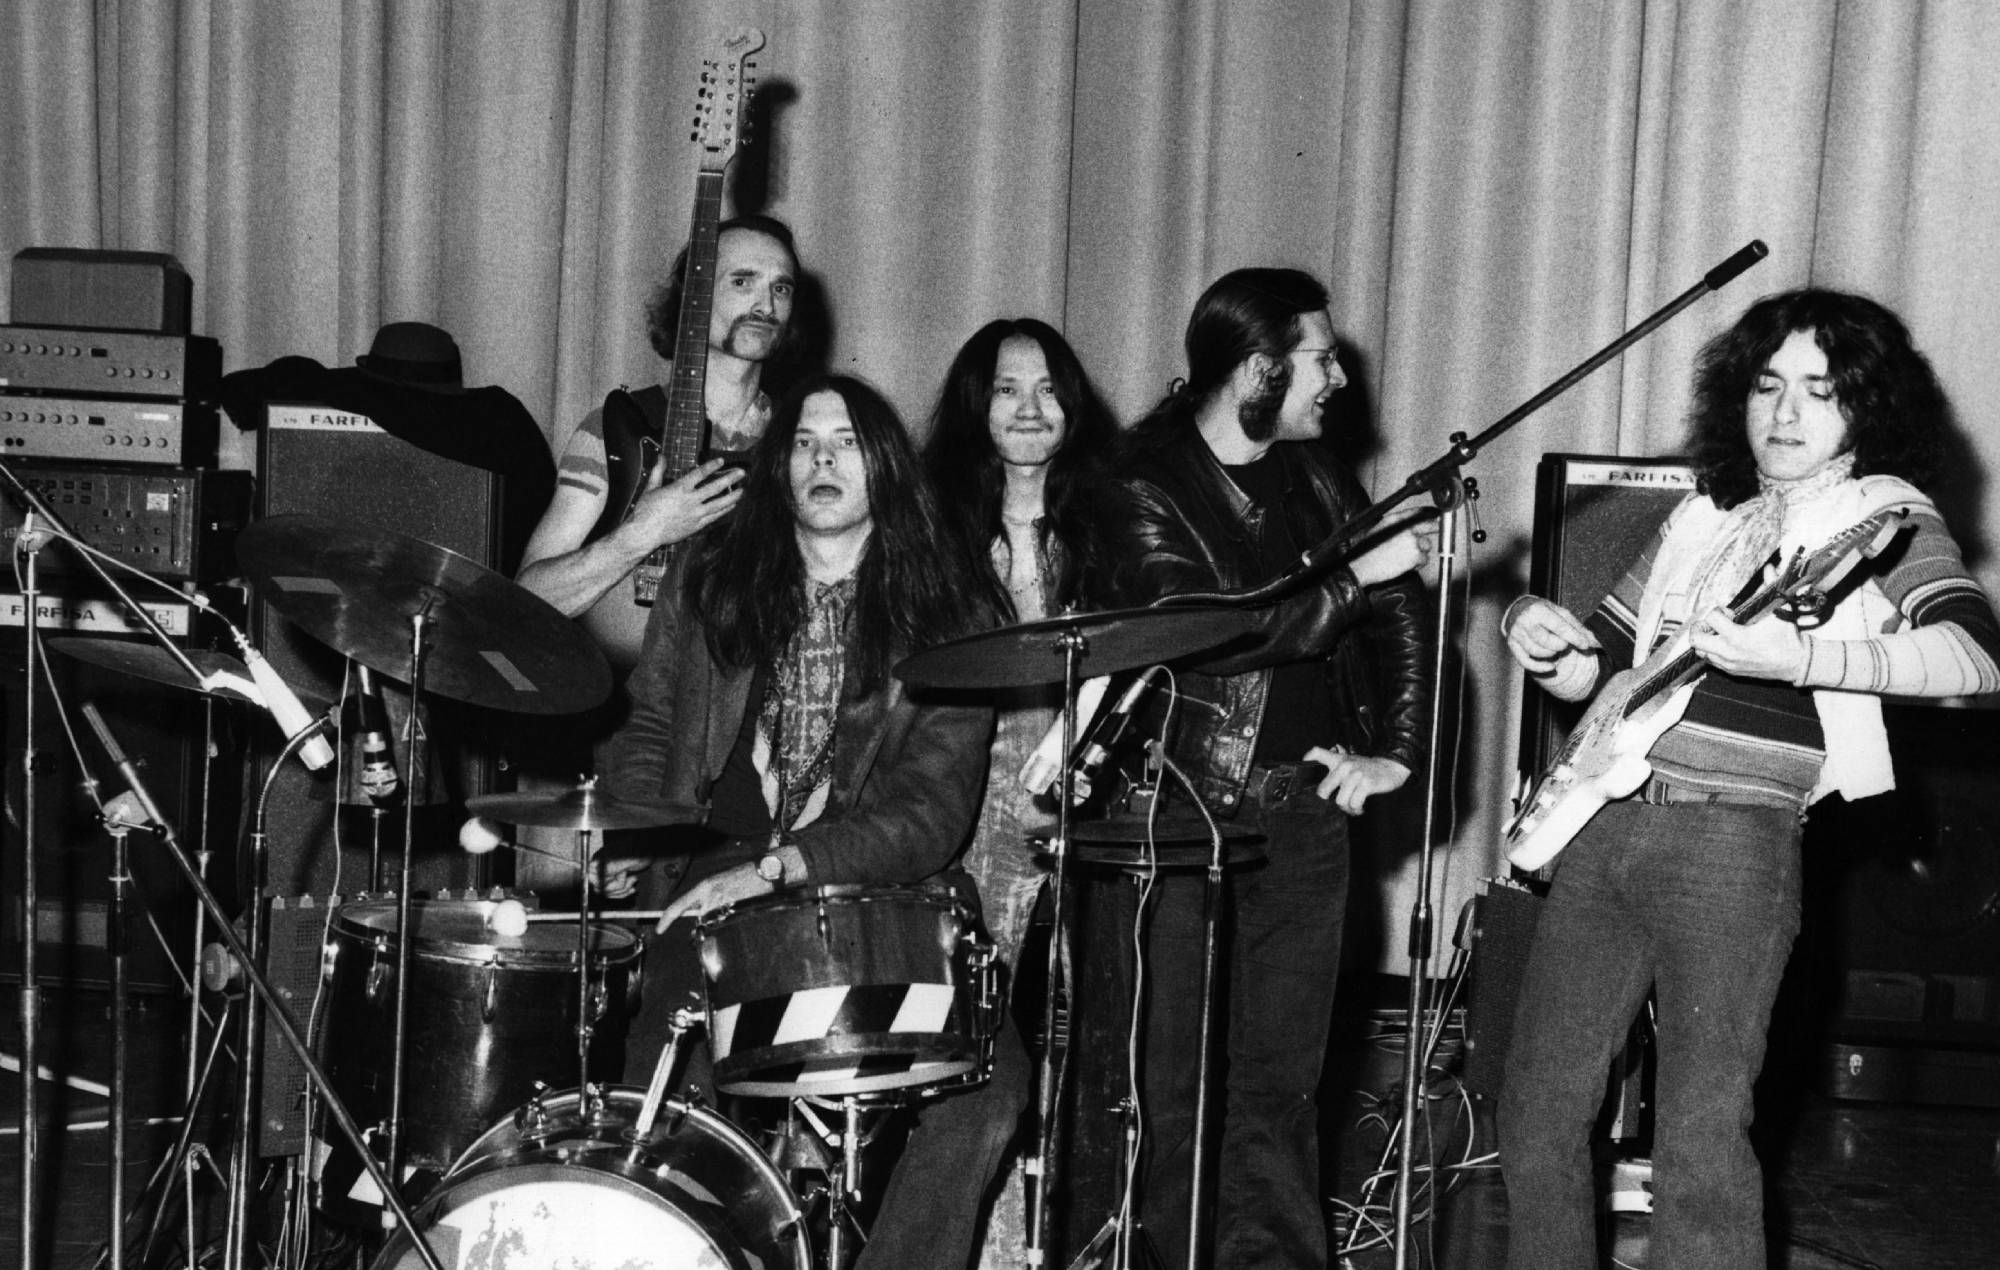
(339, 466)
(1593, 515)
(166, 732)
(79, 287)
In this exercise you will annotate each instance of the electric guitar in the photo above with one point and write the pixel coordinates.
(634, 444)
(1605, 757)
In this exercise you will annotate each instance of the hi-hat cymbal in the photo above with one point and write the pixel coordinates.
(578, 807)
(221, 674)
(490, 641)
(1031, 653)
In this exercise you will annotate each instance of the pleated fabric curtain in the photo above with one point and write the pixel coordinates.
(1493, 191)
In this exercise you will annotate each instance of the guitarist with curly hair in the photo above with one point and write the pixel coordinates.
(1814, 413)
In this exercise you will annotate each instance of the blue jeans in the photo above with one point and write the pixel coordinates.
(1280, 957)
(1700, 903)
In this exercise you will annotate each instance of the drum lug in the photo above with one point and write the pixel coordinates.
(380, 974)
(489, 1000)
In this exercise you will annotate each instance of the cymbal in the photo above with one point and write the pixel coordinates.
(578, 807)
(1112, 640)
(490, 642)
(156, 665)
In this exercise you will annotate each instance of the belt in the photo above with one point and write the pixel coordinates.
(1660, 793)
(1274, 784)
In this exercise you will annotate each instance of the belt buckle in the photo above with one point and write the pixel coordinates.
(1278, 782)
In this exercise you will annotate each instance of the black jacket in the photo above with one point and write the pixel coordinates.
(1191, 529)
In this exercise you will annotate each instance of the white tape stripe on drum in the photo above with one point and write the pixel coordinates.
(722, 1029)
(927, 1008)
(809, 1015)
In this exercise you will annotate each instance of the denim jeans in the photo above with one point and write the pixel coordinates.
(1279, 960)
(1699, 902)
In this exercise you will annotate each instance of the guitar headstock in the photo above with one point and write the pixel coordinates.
(721, 113)
(1809, 578)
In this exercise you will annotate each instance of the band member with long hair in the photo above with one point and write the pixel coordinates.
(1018, 452)
(1813, 412)
(765, 712)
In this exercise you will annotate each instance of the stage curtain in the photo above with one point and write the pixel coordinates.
(1493, 191)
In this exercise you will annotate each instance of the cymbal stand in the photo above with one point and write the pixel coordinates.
(405, 923)
(1048, 1101)
(262, 1002)
(585, 896)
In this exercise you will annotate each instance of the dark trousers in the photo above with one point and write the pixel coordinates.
(1281, 956)
(1699, 902)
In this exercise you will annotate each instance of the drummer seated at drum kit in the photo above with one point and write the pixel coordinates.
(819, 906)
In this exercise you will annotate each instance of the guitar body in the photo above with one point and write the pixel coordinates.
(1604, 761)
(1605, 758)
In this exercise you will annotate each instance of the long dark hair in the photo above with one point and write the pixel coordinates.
(747, 584)
(966, 470)
(1898, 419)
(1243, 312)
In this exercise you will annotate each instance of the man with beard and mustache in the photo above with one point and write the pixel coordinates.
(1227, 486)
(583, 571)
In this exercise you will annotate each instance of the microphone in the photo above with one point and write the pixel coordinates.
(379, 779)
(1105, 736)
(286, 708)
(140, 794)
(1725, 273)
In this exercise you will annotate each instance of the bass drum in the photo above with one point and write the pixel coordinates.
(564, 1183)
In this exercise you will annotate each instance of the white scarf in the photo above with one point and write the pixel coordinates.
(1709, 551)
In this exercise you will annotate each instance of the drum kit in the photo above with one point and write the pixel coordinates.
(466, 1043)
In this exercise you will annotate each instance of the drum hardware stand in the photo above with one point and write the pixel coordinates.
(584, 1027)
(844, 1237)
(1121, 1238)
(683, 1020)
(1041, 1169)
(262, 998)
(1122, 1230)
(413, 747)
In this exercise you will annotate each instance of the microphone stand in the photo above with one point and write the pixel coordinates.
(28, 542)
(265, 996)
(262, 996)
(1442, 480)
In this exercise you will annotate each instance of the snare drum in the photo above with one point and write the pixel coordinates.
(564, 1182)
(490, 1016)
(844, 990)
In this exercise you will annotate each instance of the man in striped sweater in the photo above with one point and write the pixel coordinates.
(1811, 414)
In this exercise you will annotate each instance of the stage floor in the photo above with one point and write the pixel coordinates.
(1850, 1183)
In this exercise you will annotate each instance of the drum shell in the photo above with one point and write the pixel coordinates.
(716, 1199)
(841, 990)
(490, 1017)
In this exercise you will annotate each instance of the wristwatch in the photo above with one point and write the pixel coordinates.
(771, 868)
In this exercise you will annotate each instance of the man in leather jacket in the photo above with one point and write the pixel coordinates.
(1323, 707)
